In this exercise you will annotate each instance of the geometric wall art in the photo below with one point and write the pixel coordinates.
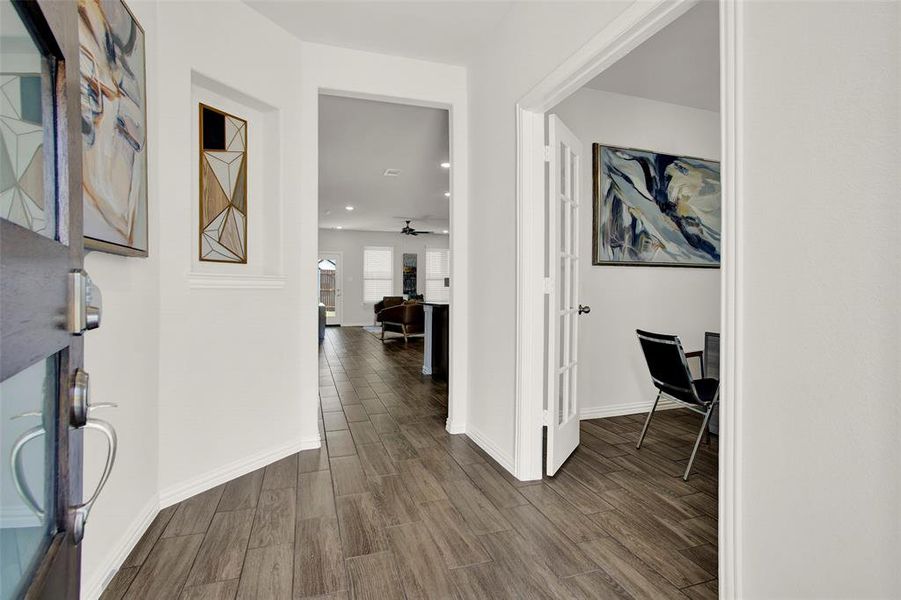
(223, 186)
(114, 127)
(655, 209)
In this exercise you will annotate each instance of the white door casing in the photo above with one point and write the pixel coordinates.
(564, 174)
(633, 26)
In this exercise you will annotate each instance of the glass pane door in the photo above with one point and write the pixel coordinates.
(37, 260)
(27, 413)
(24, 163)
(327, 271)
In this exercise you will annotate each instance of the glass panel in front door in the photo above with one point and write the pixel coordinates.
(30, 394)
(28, 403)
(24, 95)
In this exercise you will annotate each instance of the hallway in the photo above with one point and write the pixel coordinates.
(395, 507)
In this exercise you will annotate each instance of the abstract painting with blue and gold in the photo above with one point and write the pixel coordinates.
(655, 209)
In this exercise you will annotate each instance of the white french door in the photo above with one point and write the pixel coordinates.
(564, 173)
(331, 280)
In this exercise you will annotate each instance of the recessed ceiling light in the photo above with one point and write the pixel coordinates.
(445, 231)
(391, 172)
(445, 165)
(339, 227)
(348, 208)
(447, 194)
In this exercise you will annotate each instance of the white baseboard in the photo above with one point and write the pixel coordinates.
(95, 583)
(501, 457)
(455, 428)
(629, 408)
(181, 491)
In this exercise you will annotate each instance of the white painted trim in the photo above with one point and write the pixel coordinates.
(529, 407)
(499, 456)
(212, 281)
(632, 27)
(627, 408)
(174, 494)
(456, 105)
(636, 24)
(181, 491)
(455, 428)
(732, 282)
(113, 560)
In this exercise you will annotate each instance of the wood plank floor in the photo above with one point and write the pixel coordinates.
(393, 506)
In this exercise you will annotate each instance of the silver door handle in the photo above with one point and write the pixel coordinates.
(17, 469)
(82, 511)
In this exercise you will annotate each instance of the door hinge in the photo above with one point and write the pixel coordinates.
(548, 285)
(547, 154)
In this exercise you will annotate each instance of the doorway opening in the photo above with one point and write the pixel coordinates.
(604, 121)
(384, 262)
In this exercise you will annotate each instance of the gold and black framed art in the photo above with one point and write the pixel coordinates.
(223, 186)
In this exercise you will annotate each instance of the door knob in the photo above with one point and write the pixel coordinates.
(584, 309)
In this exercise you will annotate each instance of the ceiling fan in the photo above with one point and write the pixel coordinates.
(407, 230)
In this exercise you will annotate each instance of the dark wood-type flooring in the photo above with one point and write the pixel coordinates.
(395, 507)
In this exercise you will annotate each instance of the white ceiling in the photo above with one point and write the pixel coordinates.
(441, 31)
(679, 65)
(358, 141)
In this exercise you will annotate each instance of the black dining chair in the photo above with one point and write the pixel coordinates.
(668, 365)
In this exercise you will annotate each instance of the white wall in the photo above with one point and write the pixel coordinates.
(532, 40)
(819, 298)
(122, 357)
(235, 388)
(614, 378)
(351, 244)
(192, 414)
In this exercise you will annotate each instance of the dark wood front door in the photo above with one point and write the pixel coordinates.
(41, 275)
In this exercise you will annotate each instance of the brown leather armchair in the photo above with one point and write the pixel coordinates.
(407, 318)
(387, 302)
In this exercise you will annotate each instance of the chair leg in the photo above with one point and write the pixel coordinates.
(383, 332)
(697, 442)
(404, 327)
(647, 421)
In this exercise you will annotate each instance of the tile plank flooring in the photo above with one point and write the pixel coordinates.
(392, 506)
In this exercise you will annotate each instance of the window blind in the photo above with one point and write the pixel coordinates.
(378, 273)
(437, 268)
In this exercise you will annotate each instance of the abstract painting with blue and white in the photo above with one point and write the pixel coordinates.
(655, 209)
